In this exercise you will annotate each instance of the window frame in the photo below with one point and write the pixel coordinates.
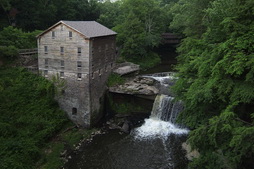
(70, 34)
(62, 50)
(46, 49)
(53, 34)
(61, 75)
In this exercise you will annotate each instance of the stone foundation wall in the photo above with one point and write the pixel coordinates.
(103, 62)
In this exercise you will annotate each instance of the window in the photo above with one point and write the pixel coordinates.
(46, 62)
(79, 64)
(74, 111)
(70, 34)
(61, 74)
(62, 63)
(62, 28)
(45, 49)
(79, 76)
(79, 51)
(62, 50)
(53, 34)
(46, 73)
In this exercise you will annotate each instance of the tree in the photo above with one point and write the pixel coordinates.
(216, 66)
(109, 13)
(40, 14)
(139, 29)
(12, 39)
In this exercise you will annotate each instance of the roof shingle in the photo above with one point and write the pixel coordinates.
(90, 28)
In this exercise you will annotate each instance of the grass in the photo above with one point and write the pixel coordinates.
(115, 79)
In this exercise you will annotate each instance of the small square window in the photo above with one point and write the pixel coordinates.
(53, 34)
(79, 64)
(61, 74)
(70, 34)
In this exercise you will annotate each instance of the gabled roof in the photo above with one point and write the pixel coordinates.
(90, 29)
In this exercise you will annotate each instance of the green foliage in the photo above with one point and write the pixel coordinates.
(152, 59)
(11, 36)
(52, 159)
(216, 78)
(8, 51)
(59, 83)
(115, 79)
(109, 13)
(12, 39)
(139, 28)
(29, 116)
(125, 107)
(76, 135)
(41, 14)
(67, 139)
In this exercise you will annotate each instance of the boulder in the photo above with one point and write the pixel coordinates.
(126, 68)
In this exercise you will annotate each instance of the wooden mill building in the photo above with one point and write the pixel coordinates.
(82, 53)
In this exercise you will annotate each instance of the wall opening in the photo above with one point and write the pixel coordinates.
(74, 111)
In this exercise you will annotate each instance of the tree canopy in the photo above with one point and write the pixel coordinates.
(216, 65)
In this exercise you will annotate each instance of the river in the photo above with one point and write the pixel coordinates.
(155, 144)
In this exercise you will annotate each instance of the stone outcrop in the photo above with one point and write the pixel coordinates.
(190, 154)
(126, 68)
(137, 86)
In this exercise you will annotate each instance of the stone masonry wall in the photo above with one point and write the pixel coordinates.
(103, 60)
(58, 56)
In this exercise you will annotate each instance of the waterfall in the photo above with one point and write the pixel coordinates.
(164, 81)
(165, 109)
(161, 123)
(164, 78)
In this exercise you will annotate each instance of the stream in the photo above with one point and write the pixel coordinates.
(155, 144)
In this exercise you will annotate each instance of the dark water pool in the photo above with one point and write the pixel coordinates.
(121, 151)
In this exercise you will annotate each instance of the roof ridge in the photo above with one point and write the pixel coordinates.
(89, 29)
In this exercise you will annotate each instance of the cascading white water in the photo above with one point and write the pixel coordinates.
(161, 123)
(163, 78)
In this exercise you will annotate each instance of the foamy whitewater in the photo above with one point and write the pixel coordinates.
(157, 126)
(162, 77)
